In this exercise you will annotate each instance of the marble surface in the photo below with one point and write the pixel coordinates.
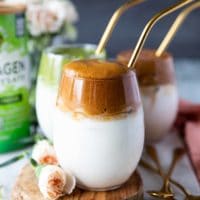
(183, 172)
(187, 72)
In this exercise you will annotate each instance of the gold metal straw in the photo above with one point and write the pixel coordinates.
(175, 26)
(148, 28)
(112, 23)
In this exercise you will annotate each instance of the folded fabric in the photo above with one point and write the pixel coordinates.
(188, 123)
(192, 139)
(186, 107)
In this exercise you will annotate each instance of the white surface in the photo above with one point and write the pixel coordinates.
(105, 154)
(160, 105)
(188, 83)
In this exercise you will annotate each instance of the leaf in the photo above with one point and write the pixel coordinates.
(38, 170)
(33, 163)
(1, 39)
(39, 137)
(70, 32)
(32, 96)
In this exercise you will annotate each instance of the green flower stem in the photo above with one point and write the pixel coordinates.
(39, 137)
(15, 159)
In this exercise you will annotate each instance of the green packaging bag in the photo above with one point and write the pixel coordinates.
(14, 79)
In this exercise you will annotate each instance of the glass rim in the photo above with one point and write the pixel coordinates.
(85, 46)
(129, 73)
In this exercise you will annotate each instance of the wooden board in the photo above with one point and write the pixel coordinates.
(26, 188)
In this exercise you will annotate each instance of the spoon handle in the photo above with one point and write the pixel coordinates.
(151, 151)
(149, 167)
(177, 155)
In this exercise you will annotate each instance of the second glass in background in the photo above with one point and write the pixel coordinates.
(51, 64)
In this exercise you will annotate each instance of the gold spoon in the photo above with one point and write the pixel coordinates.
(188, 195)
(151, 151)
(165, 192)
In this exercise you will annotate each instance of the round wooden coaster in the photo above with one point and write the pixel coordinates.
(26, 188)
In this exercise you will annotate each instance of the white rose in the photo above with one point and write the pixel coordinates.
(49, 16)
(67, 11)
(42, 20)
(53, 182)
(44, 153)
(34, 17)
(71, 14)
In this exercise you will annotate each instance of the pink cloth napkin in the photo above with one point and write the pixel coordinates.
(188, 123)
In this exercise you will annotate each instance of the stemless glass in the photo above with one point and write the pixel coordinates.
(157, 83)
(98, 124)
(52, 60)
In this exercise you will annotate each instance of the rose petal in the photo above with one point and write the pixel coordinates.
(70, 183)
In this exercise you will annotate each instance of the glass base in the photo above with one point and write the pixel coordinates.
(98, 189)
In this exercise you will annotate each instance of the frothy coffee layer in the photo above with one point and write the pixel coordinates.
(150, 69)
(95, 69)
(98, 88)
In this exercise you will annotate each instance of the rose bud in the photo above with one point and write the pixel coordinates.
(44, 153)
(54, 182)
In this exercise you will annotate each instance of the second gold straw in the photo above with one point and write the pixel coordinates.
(148, 28)
(174, 28)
